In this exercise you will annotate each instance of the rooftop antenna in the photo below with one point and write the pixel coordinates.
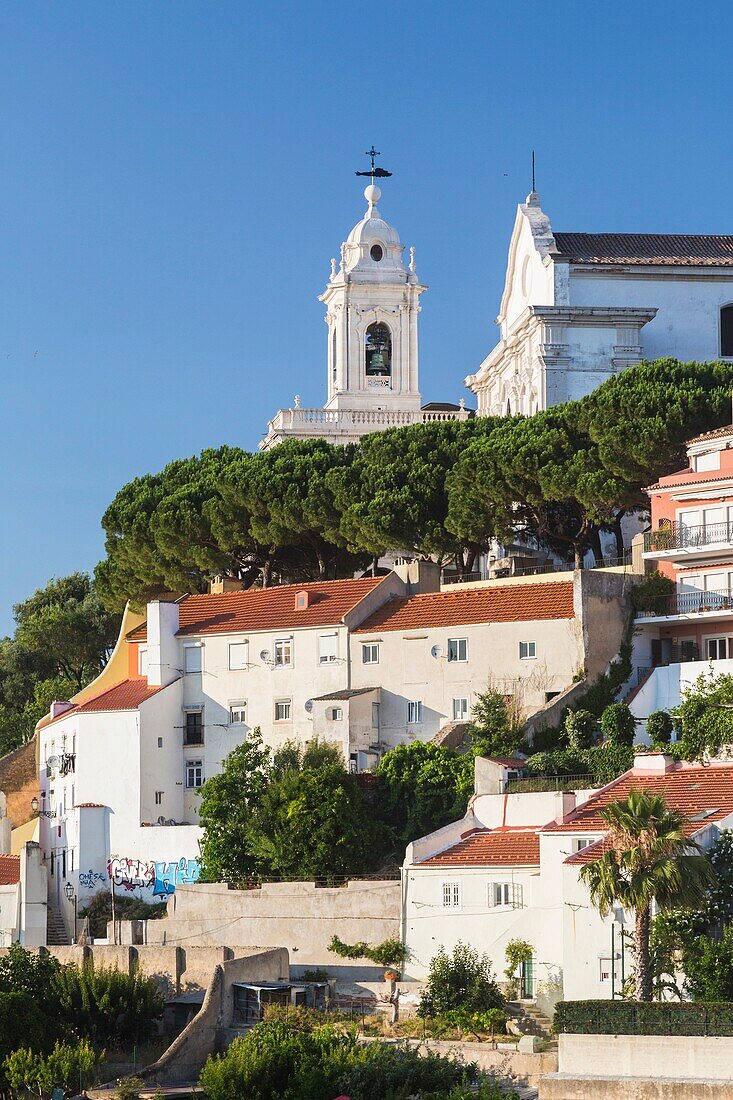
(374, 172)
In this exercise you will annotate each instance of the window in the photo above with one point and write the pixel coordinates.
(527, 650)
(142, 660)
(457, 649)
(451, 895)
(708, 461)
(607, 968)
(194, 774)
(158, 798)
(160, 742)
(334, 355)
(378, 351)
(284, 653)
(237, 714)
(335, 714)
(375, 716)
(370, 653)
(376, 252)
(194, 727)
(460, 709)
(505, 893)
(282, 710)
(414, 712)
(581, 842)
(192, 658)
(717, 649)
(238, 656)
(327, 648)
(726, 331)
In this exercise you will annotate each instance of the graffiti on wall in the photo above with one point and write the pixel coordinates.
(159, 876)
(89, 879)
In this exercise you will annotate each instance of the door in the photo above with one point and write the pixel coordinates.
(527, 975)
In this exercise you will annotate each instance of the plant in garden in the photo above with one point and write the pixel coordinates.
(618, 724)
(659, 727)
(705, 716)
(388, 953)
(649, 859)
(580, 730)
(516, 953)
(106, 1005)
(495, 728)
(462, 980)
(69, 1066)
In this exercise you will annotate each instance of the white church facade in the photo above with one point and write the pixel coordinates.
(372, 305)
(578, 308)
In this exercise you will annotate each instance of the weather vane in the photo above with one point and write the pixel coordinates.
(379, 173)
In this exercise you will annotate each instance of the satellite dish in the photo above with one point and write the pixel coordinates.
(52, 762)
(436, 651)
(264, 655)
(308, 706)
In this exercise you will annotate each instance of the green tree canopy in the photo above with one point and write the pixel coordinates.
(424, 787)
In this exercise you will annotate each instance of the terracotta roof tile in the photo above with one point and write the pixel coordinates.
(491, 848)
(503, 604)
(690, 789)
(127, 695)
(675, 249)
(268, 608)
(9, 870)
(716, 433)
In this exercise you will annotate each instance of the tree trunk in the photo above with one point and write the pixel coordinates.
(641, 951)
(375, 566)
(618, 533)
(595, 545)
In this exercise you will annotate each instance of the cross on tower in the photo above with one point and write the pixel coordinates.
(380, 173)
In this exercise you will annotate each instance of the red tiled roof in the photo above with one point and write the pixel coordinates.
(716, 433)
(677, 249)
(268, 608)
(491, 848)
(127, 695)
(9, 870)
(503, 604)
(688, 788)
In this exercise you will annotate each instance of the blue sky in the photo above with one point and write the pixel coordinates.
(174, 178)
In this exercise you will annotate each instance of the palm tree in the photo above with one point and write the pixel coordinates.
(648, 858)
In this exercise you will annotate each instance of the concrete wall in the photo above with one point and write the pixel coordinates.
(296, 915)
(702, 1056)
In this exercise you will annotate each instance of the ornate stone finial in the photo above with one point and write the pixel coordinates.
(462, 403)
(333, 268)
(343, 255)
(372, 194)
(296, 401)
(412, 258)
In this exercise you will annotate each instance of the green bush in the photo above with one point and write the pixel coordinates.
(645, 596)
(642, 1018)
(275, 1062)
(389, 953)
(107, 1006)
(618, 724)
(99, 911)
(580, 729)
(22, 1023)
(659, 726)
(462, 980)
(69, 1065)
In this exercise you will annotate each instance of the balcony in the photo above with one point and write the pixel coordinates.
(690, 602)
(703, 541)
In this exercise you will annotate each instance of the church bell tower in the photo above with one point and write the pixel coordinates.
(372, 307)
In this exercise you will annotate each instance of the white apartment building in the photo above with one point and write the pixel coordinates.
(510, 870)
(365, 664)
(578, 308)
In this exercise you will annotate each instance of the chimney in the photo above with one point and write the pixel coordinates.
(220, 584)
(164, 655)
(653, 763)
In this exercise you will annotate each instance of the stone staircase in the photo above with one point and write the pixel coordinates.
(56, 934)
(528, 1019)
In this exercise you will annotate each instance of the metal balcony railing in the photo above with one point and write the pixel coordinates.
(538, 784)
(690, 602)
(677, 537)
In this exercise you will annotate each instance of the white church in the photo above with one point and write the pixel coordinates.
(372, 305)
(577, 308)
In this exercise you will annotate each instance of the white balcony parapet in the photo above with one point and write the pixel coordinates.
(307, 423)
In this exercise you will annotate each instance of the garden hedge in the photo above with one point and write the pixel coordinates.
(640, 1018)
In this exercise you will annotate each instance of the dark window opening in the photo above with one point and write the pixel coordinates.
(194, 731)
(378, 351)
(726, 331)
(376, 252)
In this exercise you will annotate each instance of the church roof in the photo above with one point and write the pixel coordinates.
(674, 249)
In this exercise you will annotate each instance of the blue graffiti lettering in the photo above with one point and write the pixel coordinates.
(169, 875)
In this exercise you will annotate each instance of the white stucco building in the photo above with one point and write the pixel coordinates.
(510, 870)
(579, 307)
(372, 302)
(365, 664)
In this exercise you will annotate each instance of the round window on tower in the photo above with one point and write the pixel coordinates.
(376, 252)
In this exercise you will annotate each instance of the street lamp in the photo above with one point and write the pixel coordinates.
(44, 812)
(69, 891)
